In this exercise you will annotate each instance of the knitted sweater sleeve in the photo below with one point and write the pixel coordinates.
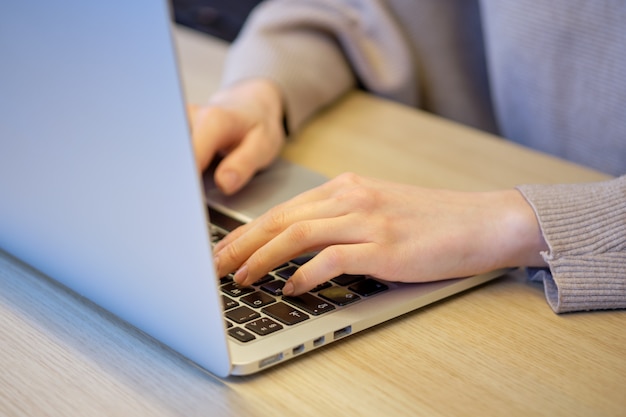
(316, 51)
(584, 226)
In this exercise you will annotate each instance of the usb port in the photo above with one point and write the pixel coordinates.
(342, 332)
(271, 360)
(319, 341)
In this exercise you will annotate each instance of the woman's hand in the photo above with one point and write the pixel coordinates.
(244, 125)
(387, 230)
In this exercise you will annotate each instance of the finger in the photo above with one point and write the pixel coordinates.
(256, 151)
(298, 238)
(281, 214)
(355, 259)
(250, 238)
(308, 236)
(296, 209)
(213, 128)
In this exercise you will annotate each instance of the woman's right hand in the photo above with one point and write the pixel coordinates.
(391, 231)
(244, 125)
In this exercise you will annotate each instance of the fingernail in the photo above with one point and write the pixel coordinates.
(288, 289)
(229, 181)
(241, 274)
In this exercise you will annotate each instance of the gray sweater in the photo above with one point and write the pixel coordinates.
(548, 75)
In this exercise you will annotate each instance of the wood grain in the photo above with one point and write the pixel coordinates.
(494, 350)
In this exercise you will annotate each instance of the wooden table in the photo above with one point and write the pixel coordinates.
(495, 350)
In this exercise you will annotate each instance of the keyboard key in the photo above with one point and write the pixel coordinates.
(285, 313)
(258, 299)
(274, 287)
(217, 235)
(280, 266)
(347, 279)
(242, 314)
(301, 260)
(368, 287)
(234, 290)
(322, 286)
(286, 273)
(267, 278)
(310, 303)
(226, 280)
(339, 295)
(263, 326)
(228, 303)
(241, 334)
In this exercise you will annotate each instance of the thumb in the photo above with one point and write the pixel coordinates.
(257, 151)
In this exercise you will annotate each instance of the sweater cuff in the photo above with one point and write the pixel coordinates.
(584, 226)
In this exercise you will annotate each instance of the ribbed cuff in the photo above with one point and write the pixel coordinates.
(584, 226)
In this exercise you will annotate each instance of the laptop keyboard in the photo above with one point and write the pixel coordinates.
(261, 309)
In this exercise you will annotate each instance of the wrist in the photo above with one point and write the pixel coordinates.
(522, 237)
(263, 93)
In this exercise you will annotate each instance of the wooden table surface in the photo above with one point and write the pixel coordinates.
(494, 350)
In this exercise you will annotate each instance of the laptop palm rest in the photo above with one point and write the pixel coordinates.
(270, 187)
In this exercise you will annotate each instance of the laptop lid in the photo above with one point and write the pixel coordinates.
(100, 190)
(98, 182)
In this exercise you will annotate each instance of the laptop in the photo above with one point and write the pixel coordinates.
(100, 191)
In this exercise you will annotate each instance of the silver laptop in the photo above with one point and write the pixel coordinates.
(99, 190)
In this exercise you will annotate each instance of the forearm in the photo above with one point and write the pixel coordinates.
(295, 57)
(316, 51)
(584, 226)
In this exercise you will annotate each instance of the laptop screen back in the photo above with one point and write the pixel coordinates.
(98, 182)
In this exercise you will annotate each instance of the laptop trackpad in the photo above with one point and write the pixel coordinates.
(276, 184)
